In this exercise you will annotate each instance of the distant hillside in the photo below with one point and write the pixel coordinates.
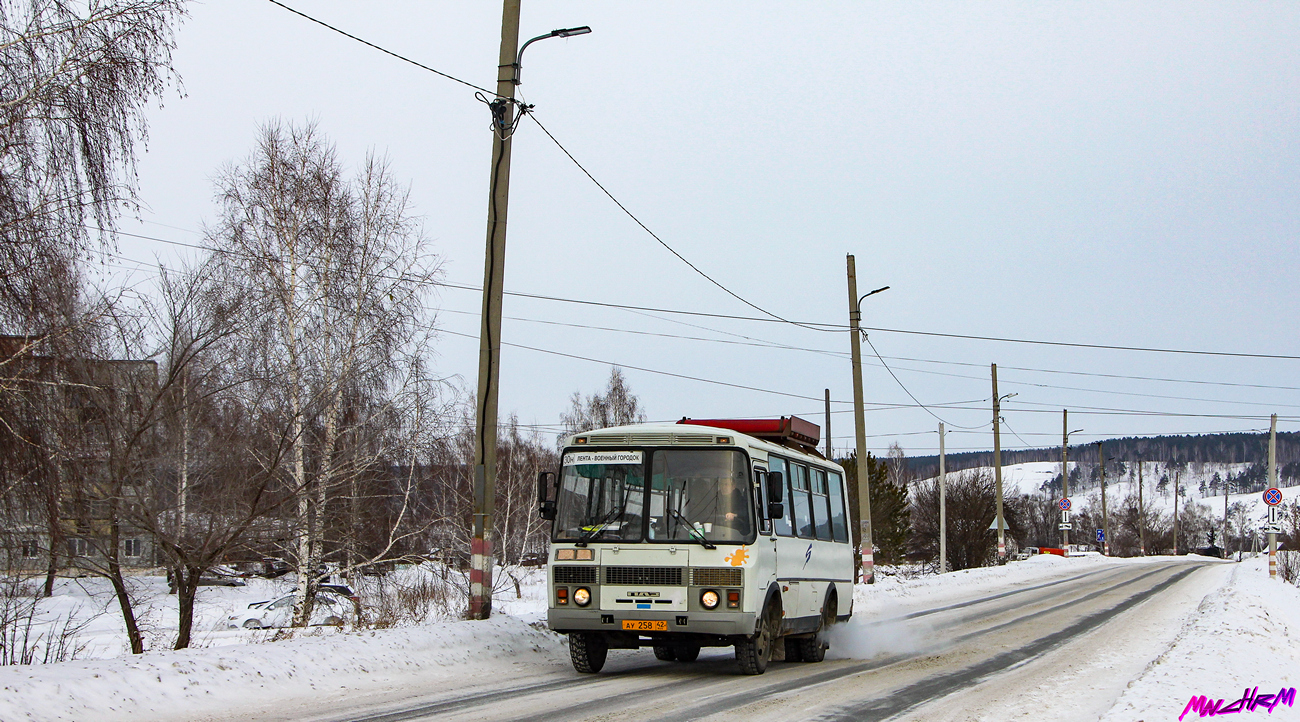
(1206, 448)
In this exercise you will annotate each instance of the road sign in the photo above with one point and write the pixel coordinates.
(1065, 517)
(1272, 528)
(1101, 535)
(1273, 497)
(1065, 526)
(1274, 516)
(1065, 504)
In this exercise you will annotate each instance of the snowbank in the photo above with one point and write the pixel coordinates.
(188, 683)
(1244, 635)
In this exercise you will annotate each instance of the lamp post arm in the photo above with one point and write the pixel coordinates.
(561, 33)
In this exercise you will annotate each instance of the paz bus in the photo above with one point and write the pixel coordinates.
(702, 533)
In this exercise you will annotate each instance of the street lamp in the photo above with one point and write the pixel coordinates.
(866, 550)
(489, 351)
(561, 33)
(1065, 474)
(997, 463)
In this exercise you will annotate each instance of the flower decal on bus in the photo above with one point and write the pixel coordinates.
(738, 557)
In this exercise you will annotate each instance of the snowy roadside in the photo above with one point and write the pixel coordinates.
(192, 684)
(324, 667)
(1244, 635)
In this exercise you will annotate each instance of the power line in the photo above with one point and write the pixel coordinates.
(909, 393)
(402, 58)
(879, 406)
(1105, 411)
(632, 308)
(655, 236)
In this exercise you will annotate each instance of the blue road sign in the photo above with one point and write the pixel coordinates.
(1273, 497)
(1101, 535)
(1065, 505)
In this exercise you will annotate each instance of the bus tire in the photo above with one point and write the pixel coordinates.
(587, 651)
(754, 653)
(665, 653)
(813, 649)
(686, 652)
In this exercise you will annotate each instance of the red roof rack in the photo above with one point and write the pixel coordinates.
(783, 429)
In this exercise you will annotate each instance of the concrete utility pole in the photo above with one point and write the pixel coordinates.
(943, 506)
(489, 348)
(1142, 513)
(830, 450)
(997, 465)
(1105, 519)
(1065, 473)
(1176, 482)
(1225, 517)
(866, 551)
(1272, 484)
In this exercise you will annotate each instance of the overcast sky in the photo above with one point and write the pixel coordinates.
(1101, 173)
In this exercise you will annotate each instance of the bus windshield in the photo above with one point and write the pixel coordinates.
(700, 495)
(601, 497)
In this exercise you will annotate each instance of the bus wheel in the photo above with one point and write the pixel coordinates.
(687, 652)
(753, 653)
(665, 653)
(813, 649)
(587, 651)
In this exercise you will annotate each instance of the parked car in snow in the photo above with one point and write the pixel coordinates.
(221, 576)
(275, 613)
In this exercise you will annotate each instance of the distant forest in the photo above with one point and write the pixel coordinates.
(1219, 448)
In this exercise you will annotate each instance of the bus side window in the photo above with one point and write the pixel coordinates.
(782, 525)
(839, 523)
(821, 504)
(799, 493)
(760, 501)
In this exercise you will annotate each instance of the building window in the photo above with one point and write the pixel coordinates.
(77, 547)
(132, 547)
(31, 549)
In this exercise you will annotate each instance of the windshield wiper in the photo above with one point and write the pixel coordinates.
(696, 534)
(590, 532)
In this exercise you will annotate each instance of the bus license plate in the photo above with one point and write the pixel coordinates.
(640, 625)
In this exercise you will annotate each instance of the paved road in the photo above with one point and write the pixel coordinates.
(957, 650)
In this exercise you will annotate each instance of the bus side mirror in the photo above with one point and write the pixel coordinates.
(546, 507)
(775, 487)
(775, 493)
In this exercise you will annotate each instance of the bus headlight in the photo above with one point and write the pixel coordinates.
(581, 596)
(709, 599)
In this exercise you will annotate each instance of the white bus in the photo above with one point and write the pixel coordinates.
(717, 533)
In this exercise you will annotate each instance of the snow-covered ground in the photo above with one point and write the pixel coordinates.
(1236, 636)
(1240, 638)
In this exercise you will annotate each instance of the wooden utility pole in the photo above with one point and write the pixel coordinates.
(1272, 484)
(997, 466)
(489, 354)
(943, 506)
(1105, 519)
(830, 450)
(860, 431)
(1065, 473)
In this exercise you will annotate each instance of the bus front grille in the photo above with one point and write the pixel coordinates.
(723, 577)
(575, 575)
(644, 576)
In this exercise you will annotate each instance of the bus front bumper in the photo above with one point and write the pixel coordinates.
(725, 624)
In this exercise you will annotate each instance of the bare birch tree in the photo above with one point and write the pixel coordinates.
(335, 273)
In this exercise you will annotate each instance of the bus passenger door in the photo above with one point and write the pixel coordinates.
(765, 545)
